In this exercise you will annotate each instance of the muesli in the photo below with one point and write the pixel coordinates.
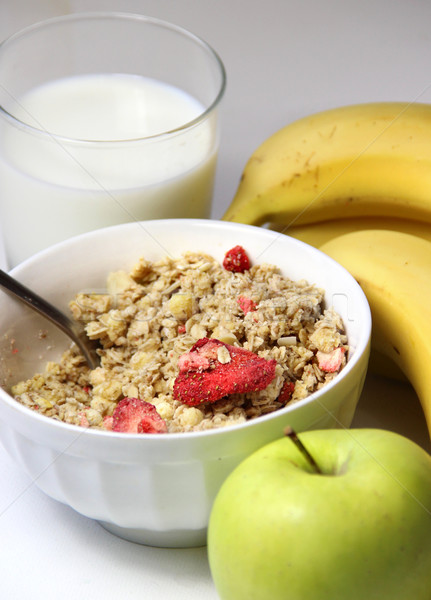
(189, 344)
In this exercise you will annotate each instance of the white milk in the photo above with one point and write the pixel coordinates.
(84, 177)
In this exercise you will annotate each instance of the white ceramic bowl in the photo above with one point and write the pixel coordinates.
(157, 489)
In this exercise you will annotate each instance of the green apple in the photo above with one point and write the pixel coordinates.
(356, 528)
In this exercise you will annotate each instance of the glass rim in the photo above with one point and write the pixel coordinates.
(129, 16)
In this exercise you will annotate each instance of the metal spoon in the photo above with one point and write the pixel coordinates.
(69, 327)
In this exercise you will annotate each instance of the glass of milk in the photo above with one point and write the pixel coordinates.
(105, 118)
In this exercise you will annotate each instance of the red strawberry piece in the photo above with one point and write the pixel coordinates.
(236, 260)
(108, 422)
(133, 415)
(84, 421)
(199, 356)
(330, 361)
(244, 372)
(246, 304)
(193, 361)
(286, 392)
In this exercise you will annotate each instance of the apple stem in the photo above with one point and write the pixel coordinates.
(289, 432)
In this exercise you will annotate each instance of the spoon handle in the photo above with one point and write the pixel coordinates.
(43, 307)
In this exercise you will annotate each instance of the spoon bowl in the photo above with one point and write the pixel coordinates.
(71, 328)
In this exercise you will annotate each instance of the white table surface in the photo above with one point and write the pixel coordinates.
(284, 59)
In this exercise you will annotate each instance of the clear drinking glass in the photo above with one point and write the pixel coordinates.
(105, 118)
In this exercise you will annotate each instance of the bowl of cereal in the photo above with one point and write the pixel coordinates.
(212, 337)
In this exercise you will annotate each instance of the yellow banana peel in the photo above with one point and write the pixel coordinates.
(394, 268)
(317, 234)
(353, 161)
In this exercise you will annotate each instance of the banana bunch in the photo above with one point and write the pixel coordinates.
(355, 182)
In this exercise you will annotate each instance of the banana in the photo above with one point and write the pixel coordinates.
(317, 234)
(393, 269)
(360, 160)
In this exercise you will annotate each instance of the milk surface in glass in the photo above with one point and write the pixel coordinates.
(97, 154)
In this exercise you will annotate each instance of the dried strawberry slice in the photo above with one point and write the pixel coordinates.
(108, 422)
(199, 356)
(330, 362)
(236, 260)
(193, 361)
(84, 421)
(286, 392)
(217, 369)
(246, 304)
(133, 415)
